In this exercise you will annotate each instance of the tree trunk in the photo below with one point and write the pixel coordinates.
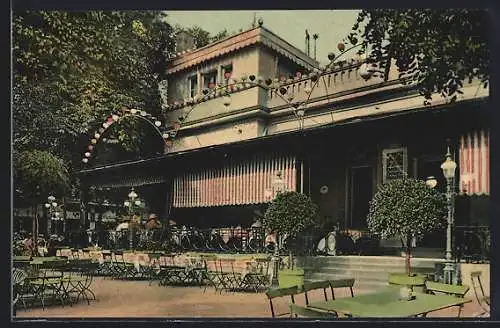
(408, 256)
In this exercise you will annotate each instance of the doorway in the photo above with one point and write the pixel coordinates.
(361, 186)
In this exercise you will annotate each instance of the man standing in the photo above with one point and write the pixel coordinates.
(153, 222)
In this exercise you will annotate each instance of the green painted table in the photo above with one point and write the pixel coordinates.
(386, 304)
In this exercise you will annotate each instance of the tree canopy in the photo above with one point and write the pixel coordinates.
(436, 48)
(71, 69)
(406, 208)
(201, 36)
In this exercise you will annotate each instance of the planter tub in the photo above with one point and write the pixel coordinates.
(415, 281)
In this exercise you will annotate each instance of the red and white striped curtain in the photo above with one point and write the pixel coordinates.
(474, 163)
(237, 183)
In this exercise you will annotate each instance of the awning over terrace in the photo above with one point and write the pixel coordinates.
(236, 183)
(474, 163)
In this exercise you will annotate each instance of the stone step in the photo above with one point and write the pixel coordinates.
(372, 259)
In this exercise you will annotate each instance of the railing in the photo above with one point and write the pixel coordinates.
(472, 243)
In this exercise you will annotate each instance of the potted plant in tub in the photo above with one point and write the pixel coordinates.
(289, 214)
(406, 208)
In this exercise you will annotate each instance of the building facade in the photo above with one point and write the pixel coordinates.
(355, 133)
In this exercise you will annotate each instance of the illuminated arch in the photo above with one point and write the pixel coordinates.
(125, 113)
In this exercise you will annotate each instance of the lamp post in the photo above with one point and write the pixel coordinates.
(278, 186)
(129, 203)
(448, 168)
(54, 214)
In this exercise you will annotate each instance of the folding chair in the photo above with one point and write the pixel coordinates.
(259, 279)
(482, 299)
(310, 286)
(300, 311)
(433, 287)
(124, 270)
(278, 293)
(341, 283)
(213, 276)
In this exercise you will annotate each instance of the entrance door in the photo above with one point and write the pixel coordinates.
(361, 186)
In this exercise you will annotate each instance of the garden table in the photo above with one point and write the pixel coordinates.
(386, 303)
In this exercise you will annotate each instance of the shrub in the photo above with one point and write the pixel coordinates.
(290, 213)
(406, 208)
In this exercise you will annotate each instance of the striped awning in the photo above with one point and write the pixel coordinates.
(237, 183)
(474, 163)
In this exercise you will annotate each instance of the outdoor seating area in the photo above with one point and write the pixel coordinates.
(386, 303)
(43, 281)
(64, 282)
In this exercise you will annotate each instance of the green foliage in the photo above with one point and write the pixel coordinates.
(291, 213)
(71, 69)
(39, 174)
(436, 48)
(202, 37)
(406, 208)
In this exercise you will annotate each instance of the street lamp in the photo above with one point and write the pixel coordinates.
(278, 186)
(52, 208)
(449, 167)
(431, 182)
(129, 203)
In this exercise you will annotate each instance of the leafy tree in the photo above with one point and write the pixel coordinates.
(406, 208)
(201, 36)
(40, 174)
(436, 49)
(289, 214)
(72, 69)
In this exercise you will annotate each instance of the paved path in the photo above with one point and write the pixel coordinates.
(137, 299)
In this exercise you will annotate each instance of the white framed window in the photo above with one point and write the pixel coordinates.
(394, 164)
(209, 80)
(193, 86)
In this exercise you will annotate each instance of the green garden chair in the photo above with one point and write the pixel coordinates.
(482, 299)
(436, 288)
(305, 312)
(315, 285)
(341, 283)
(279, 293)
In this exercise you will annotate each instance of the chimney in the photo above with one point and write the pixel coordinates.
(308, 46)
(315, 37)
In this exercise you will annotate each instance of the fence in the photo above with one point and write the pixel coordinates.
(240, 240)
(472, 243)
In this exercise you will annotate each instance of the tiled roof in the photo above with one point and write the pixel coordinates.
(245, 39)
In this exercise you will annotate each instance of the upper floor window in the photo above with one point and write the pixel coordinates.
(395, 164)
(193, 86)
(209, 80)
(227, 72)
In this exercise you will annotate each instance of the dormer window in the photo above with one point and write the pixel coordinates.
(209, 80)
(193, 86)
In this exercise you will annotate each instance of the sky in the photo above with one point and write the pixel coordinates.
(331, 25)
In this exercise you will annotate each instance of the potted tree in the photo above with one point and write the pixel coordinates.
(289, 214)
(406, 208)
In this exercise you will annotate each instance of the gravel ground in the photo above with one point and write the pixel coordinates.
(137, 299)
